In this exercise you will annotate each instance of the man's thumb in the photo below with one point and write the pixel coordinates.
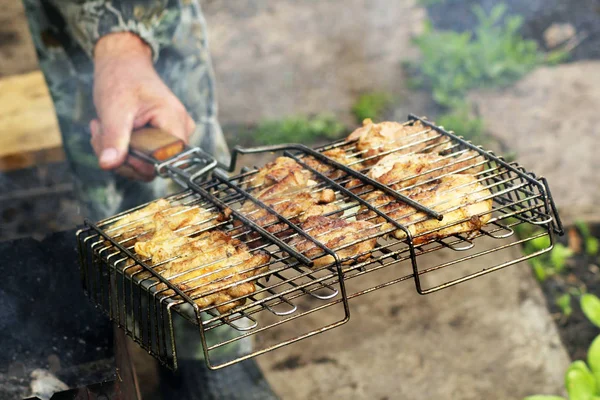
(115, 136)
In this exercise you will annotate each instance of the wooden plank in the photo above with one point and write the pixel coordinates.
(29, 131)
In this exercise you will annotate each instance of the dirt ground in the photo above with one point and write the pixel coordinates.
(489, 338)
(582, 275)
(550, 120)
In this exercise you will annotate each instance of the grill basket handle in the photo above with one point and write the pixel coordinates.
(154, 144)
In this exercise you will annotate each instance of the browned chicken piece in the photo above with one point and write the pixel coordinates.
(167, 243)
(137, 222)
(141, 224)
(375, 139)
(387, 127)
(328, 210)
(403, 170)
(338, 235)
(212, 268)
(464, 203)
(292, 207)
(338, 154)
(281, 176)
(275, 171)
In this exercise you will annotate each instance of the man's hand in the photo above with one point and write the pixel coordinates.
(129, 94)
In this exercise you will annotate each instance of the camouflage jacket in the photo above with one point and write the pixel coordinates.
(64, 34)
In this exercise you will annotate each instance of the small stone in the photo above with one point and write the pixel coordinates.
(574, 240)
(53, 363)
(557, 34)
(593, 268)
(44, 384)
(16, 370)
(571, 278)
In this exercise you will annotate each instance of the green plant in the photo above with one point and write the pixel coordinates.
(426, 3)
(590, 305)
(460, 121)
(496, 55)
(298, 129)
(453, 63)
(559, 256)
(592, 244)
(371, 105)
(582, 380)
(545, 264)
(564, 302)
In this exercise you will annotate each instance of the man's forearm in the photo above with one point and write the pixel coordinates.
(122, 45)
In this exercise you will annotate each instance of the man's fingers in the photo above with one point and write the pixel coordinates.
(96, 139)
(145, 169)
(175, 122)
(116, 125)
(190, 126)
(133, 168)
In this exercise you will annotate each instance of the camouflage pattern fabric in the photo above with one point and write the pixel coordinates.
(64, 34)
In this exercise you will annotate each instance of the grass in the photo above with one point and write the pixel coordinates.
(308, 129)
(460, 121)
(371, 105)
(425, 3)
(298, 129)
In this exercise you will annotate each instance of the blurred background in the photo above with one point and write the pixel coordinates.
(520, 77)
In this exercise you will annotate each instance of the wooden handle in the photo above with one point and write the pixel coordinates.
(156, 143)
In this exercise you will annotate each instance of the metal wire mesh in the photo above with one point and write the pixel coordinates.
(145, 298)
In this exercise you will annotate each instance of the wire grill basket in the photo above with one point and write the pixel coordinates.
(289, 286)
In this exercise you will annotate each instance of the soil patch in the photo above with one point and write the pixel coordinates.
(576, 331)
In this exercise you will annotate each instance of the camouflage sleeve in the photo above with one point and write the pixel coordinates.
(88, 20)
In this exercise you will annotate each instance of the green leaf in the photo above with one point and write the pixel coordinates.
(584, 229)
(592, 246)
(557, 56)
(590, 304)
(540, 243)
(579, 381)
(539, 270)
(593, 359)
(497, 12)
(564, 302)
(371, 105)
(559, 256)
(544, 397)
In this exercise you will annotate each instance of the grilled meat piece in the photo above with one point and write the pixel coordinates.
(281, 176)
(201, 264)
(212, 267)
(141, 225)
(167, 243)
(328, 210)
(288, 189)
(404, 170)
(387, 127)
(460, 198)
(336, 234)
(137, 222)
(292, 207)
(374, 139)
(338, 154)
(400, 171)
